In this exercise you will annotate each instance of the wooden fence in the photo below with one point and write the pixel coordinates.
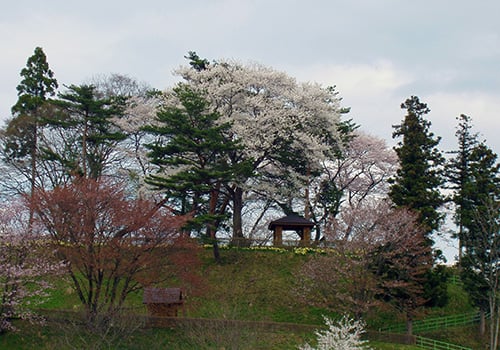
(431, 344)
(65, 316)
(434, 323)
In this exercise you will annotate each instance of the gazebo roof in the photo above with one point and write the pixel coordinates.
(162, 296)
(291, 222)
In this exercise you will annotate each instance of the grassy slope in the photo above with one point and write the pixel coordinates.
(247, 285)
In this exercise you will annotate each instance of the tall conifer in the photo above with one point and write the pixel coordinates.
(418, 180)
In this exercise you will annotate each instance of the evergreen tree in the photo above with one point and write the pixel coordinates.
(20, 136)
(459, 176)
(191, 153)
(418, 180)
(89, 136)
(482, 239)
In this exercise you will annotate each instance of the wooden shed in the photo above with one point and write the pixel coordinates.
(163, 302)
(291, 222)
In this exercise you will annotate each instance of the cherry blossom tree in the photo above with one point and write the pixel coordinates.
(380, 254)
(141, 104)
(338, 281)
(401, 262)
(344, 334)
(357, 176)
(286, 128)
(111, 244)
(26, 265)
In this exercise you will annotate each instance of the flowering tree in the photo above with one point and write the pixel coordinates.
(286, 129)
(25, 264)
(140, 111)
(357, 176)
(110, 243)
(141, 102)
(346, 185)
(380, 255)
(338, 281)
(342, 335)
(401, 262)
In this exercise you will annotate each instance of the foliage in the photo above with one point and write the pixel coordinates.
(344, 334)
(20, 137)
(458, 170)
(436, 287)
(192, 153)
(359, 174)
(481, 222)
(380, 254)
(26, 266)
(401, 263)
(286, 129)
(88, 136)
(418, 180)
(109, 242)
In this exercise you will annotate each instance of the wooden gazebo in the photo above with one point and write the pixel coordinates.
(291, 222)
(163, 302)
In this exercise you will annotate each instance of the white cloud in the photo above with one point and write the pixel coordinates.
(381, 77)
(372, 91)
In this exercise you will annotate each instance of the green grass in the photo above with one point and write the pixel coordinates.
(62, 296)
(247, 285)
(67, 336)
(387, 346)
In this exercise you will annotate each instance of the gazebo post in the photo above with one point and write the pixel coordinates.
(306, 236)
(278, 236)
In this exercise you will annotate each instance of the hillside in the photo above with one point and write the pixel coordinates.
(247, 285)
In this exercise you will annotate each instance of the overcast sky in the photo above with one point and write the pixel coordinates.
(377, 53)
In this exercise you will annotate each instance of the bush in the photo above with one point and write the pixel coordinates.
(342, 335)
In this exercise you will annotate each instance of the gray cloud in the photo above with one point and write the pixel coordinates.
(376, 52)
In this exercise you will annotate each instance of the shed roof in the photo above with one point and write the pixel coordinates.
(162, 296)
(291, 222)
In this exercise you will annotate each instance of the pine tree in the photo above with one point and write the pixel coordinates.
(21, 133)
(481, 218)
(458, 171)
(418, 180)
(89, 130)
(191, 153)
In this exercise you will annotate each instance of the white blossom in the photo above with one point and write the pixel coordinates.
(265, 107)
(342, 335)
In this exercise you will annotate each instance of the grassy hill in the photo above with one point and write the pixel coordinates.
(247, 285)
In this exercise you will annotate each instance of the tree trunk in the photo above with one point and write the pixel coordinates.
(211, 234)
(34, 154)
(409, 324)
(216, 251)
(237, 212)
(482, 322)
(495, 325)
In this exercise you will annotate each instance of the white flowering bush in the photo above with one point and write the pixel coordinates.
(344, 334)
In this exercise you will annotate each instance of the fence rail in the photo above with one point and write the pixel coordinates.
(70, 317)
(434, 323)
(431, 344)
